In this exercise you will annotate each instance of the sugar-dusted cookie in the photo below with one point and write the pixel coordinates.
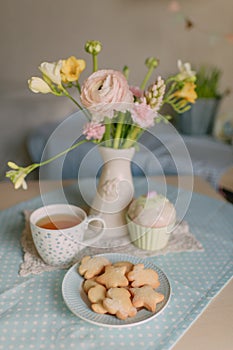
(91, 267)
(128, 265)
(118, 303)
(140, 276)
(146, 296)
(113, 277)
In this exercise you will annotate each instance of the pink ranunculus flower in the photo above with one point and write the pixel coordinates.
(105, 91)
(94, 131)
(136, 91)
(142, 115)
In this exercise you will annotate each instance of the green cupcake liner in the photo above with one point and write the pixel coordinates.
(149, 238)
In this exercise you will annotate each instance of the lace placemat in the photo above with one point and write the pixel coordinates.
(181, 240)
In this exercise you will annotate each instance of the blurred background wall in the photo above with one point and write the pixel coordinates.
(131, 30)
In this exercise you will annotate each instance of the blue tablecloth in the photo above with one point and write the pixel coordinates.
(33, 314)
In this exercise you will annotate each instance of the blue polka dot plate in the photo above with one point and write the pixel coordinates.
(78, 303)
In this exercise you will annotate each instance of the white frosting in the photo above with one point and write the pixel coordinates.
(153, 210)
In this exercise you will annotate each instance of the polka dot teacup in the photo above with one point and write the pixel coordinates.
(59, 245)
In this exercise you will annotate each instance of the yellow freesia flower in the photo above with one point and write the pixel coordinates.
(187, 92)
(71, 69)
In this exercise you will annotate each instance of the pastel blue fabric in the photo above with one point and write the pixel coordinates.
(33, 314)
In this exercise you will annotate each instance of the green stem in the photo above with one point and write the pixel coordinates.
(66, 93)
(169, 95)
(78, 87)
(132, 137)
(117, 136)
(168, 80)
(127, 126)
(34, 166)
(95, 62)
(72, 99)
(63, 152)
(107, 134)
(147, 77)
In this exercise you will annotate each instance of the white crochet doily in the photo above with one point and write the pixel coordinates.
(181, 240)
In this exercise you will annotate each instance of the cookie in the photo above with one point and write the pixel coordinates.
(119, 288)
(87, 284)
(113, 277)
(91, 267)
(96, 294)
(128, 265)
(140, 276)
(118, 303)
(146, 297)
(98, 308)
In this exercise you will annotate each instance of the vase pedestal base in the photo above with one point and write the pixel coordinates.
(114, 234)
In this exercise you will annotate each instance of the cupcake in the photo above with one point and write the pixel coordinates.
(150, 220)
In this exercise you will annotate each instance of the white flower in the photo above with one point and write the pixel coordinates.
(185, 71)
(52, 71)
(18, 174)
(12, 165)
(154, 94)
(20, 182)
(38, 85)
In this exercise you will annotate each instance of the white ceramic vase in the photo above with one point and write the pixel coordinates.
(115, 190)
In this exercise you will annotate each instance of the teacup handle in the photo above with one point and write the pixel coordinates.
(100, 233)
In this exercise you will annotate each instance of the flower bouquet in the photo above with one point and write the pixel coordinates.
(117, 113)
